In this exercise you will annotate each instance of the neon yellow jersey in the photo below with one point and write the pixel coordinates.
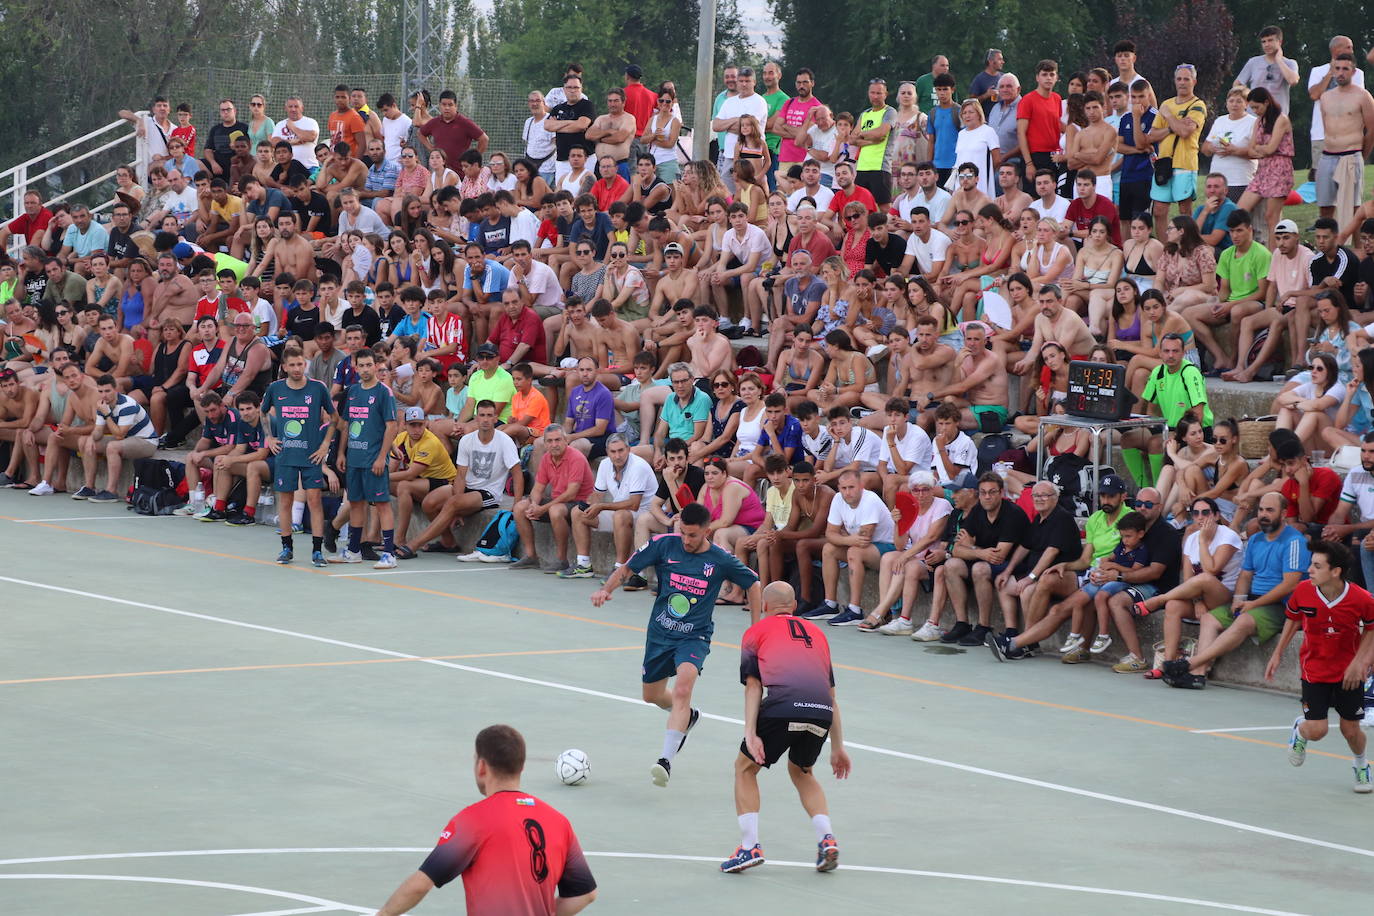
(875, 157)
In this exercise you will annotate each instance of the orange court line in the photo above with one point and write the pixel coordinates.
(623, 626)
(362, 661)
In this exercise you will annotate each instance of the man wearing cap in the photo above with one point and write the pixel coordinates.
(640, 100)
(1174, 387)
(1288, 276)
(489, 382)
(423, 471)
(1050, 604)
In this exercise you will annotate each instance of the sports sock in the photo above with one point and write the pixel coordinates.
(583, 561)
(388, 540)
(297, 512)
(355, 539)
(832, 605)
(856, 609)
(1156, 467)
(1361, 762)
(220, 504)
(822, 824)
(1075, 636)
(250, 511)
(749, 830)
(672, 740)
(1134, 460)
(317, 543)
(286, 541)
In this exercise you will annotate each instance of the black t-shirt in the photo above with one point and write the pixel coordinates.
(1010, 526)
(302, 321)
(317, 205)
(889, 256)
(494, 237)
(694, 477)
(1165, 545)
(286, 175)
(954, 523)
(217, 144)
(370, 321)
(35, 285)
(121, 245)
(392, 318)
(571, 111)
(1346, 267)
(1059, 530)
(1365, 275)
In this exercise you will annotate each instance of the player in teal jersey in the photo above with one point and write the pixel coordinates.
(690, 571)
(369, 423)
(302, 430)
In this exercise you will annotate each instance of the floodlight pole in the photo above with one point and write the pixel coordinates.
(706, 65)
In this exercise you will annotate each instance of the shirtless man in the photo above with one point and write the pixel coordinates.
(578, 337)
(620, 339)
(982, 387)
(677, 281)
(113, 354)
(342, 171)
(928, 367)
(967, 196)
(669, 337)
(1057, 323)
(292, 252)
(1348, 117)
(709, 349)
(18, 406)
(174, 295)
(1013, 199)
(72, 426)
(1093, 146)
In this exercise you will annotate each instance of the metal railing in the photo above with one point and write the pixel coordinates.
(16, 180)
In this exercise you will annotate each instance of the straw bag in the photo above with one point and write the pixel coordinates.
(1254, 436)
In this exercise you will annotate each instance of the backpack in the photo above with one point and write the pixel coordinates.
(499, 537)
(990, 449)
(159, 486)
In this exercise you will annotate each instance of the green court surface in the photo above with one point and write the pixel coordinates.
(190, 729)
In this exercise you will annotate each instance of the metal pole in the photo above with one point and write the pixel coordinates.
(706, 65)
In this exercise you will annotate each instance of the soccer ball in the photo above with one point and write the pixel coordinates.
(572, 767)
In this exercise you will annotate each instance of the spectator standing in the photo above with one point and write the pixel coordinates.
(1269, 69)
(568, 122)
(300, 132)
(1319, 79)
(1178, 139)
(983, 86)
(776, 99)
(873, 137)
(1038, 125)
(792, 121)
(726, 121)
(640, 100)
(450, 131)
(1228, 144)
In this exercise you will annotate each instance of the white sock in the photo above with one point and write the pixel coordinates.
(1075, 636)
(672, 740)
(1360, 762)
(856, 609)
(822, 824)
(583, 561)
(832, 604)
(297, 512)
(749, 830)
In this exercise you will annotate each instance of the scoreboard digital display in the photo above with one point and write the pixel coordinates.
(1098, 391)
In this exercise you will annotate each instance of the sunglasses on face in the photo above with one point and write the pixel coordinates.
(255, 104)
(617, 255)
(961, 222)
(717, 384)
(967, 175)
(851, 217)
(1200, 513)
(1144, 503)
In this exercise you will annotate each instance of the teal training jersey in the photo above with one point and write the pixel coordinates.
(298, 418)
(368, 411)
(688, 584)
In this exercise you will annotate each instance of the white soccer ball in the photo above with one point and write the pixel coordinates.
(572, 767)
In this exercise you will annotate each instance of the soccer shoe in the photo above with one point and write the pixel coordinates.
(1100, 644)
(286, 556)
(241, 520)
(744, 859)
(385, 560)
(1297, 745)
(346, 556)
(317, 558)
(691, 724)
(827, 853)
(577, 572)
(899, 626)
(660, 772)
(1362, 783)
(1072, 644)
(635, 583)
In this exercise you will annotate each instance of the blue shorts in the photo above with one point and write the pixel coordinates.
(884, 547)
(1140, 592)
(289, 478)
(1183, 186)
(365, 486)
(663, 656)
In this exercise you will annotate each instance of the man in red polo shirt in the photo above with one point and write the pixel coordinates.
(30, 224)
(1037, 123)
(513, 851)
(452, 132)
(1088, 204)
(640, 100)
(846, 190)
(519, 332)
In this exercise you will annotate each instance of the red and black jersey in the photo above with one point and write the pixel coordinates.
(513, 852)
(791, 657)
(1331, 629)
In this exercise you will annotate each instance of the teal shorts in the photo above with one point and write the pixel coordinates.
(1183, 186)
(289, 478)
(366, 487)
(662, 657)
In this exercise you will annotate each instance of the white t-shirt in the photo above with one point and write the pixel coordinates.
(367, 221)
(961, 451)
(928, 253)
(488, 463)
(394, 130)
(1224, 536)
(1358, 489)
(157, 136)
(1237, 169)
(1309, 391)
(539, 143)
(304, 153)
(734, 107)
(976, 146)
(638, 477)
(863, 445)
(543, 285)
(1317, 75)
(755, 239)
(822, 198)
(524, 226)
(871, 510)
(823, 140)
(263, 311)
(914, 446)
(1057, 210)
(182, 205)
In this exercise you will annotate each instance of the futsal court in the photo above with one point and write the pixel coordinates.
(190, 729)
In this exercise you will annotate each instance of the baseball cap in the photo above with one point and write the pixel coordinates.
(183, 250)
(237, 136)
(487, 349)
(1286, 225)
(415, 415)
(965, 481)
(634, 72)
(1111, 483)
(672, 248)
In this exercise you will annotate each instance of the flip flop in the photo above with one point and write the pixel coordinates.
(404, 553)
(1153, 674)
(723, 603)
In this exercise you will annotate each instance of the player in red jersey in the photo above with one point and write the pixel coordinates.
(790, 656)
(1334, 659)
(512, 850)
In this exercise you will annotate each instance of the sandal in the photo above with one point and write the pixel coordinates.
(871, 623)
(404, 553)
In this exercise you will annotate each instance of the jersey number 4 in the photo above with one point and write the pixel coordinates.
(797, 630)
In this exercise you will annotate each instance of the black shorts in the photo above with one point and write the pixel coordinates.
(879, 184)
(800, 739)
(598, 447)
(488, 501)
(1318, 698)
(436, 482)
(1135, 199)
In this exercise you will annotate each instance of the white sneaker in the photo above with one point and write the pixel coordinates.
(928, 632)
(1100, 644)
(898, 626)
(346, 556)
(493, 558)
(209, 507)
(474, 557)
(385, 561)
(1072, 644)
(43, 489)
(185, 510)
(1368, 721)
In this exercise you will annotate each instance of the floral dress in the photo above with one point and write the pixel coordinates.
(1274, 176)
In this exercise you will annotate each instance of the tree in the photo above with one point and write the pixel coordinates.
(1198, 32)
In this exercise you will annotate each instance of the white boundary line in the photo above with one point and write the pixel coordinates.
(637, 701)
(321, 905)
(413, 572)
(1249, 728)
(327, 905)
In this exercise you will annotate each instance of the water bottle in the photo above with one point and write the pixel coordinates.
(198, 497)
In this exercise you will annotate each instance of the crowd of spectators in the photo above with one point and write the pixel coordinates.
(808, 333)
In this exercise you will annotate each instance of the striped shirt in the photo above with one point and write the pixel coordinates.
(129, 415)
(382, 177)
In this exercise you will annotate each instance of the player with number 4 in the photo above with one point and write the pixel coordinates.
(690, 571)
